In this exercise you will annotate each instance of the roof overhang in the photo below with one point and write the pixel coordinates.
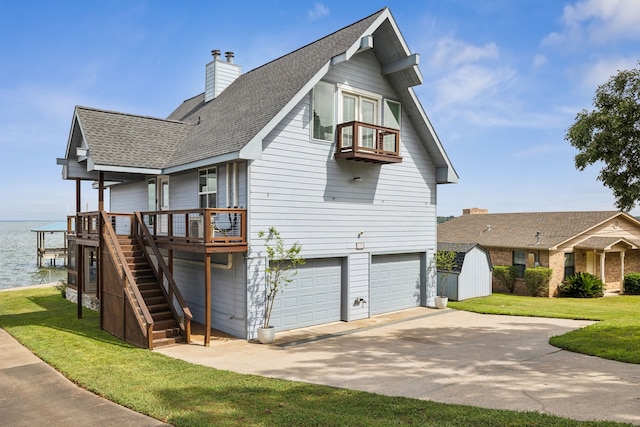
(607, 244)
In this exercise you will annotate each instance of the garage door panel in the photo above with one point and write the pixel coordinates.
(395, 282)
(312, 298)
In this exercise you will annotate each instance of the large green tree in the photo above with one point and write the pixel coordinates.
(610, 134)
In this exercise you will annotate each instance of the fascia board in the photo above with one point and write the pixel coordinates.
(202, 163)
(451, 176)
(74, 119)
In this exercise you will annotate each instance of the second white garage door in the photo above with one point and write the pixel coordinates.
(312, 298)
(395, 282)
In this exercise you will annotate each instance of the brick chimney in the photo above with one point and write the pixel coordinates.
(475, 211)
(220, 74)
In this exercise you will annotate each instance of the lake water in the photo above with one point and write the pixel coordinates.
(18, 260)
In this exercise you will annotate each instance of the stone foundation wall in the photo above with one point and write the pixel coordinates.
(92, 303)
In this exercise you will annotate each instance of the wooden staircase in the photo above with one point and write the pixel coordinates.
(165, 327)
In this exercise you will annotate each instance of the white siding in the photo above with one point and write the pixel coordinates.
(298, 187)
(228, 295)
(128, 198)
(183, 191)
(358, 287)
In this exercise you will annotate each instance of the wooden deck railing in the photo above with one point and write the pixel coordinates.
(367, 142)
(212, 227)
(220, 228)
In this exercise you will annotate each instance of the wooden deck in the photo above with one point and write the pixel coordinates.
(197, 230)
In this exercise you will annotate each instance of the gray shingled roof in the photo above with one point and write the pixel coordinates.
(197, 130)
(232, 119)
(119, 139)
(604, 242)
(518, 230)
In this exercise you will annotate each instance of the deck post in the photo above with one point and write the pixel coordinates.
(207, 300)
(80, 284)
(101, 192)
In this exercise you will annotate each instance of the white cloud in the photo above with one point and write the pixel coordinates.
(470, 82)
(537, 151)
(319, 11)
(451, 52)
(600, 72)
(598, 21)
(539, 61)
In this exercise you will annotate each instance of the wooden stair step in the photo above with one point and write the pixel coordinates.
(162, 315)
(164, 324)
(156, 299)
(158, 308)
(163, 342)
(166, 333)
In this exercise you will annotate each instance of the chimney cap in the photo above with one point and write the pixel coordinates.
(229, 55)
(215, 53)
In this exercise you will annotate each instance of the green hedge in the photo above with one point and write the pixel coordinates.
(505, 275)
(632, 283)
(537, 281)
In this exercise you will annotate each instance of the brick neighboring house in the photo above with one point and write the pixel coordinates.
(566, 242)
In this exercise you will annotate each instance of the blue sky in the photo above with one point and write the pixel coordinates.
(503, 80)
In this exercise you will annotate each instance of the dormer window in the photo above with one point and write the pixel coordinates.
(368, 125)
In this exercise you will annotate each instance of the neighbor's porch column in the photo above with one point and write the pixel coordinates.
(622, 272)
(602, 271)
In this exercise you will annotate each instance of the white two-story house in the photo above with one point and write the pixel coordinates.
(329, 144)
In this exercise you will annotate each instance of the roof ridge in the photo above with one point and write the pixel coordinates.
(101, 110)
(317, 40)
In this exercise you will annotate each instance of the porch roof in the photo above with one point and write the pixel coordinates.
(605, 243)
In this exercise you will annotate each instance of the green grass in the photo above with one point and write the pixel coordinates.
(184, 394)
(616, 336)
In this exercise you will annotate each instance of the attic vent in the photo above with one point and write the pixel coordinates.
(220, 74)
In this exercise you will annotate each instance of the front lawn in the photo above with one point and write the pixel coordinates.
(616, 336)
(185, 394)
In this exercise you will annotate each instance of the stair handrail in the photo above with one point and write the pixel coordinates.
(166, 273)
(146, 322)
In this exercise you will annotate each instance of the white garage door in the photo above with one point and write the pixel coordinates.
(395, 282)
(312, 298)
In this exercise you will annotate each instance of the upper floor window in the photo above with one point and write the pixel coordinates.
(207, 187)
(392, 114)
(366, 124)
(323, 116)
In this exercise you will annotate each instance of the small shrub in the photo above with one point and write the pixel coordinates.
(505, 275)
(537, 281)
(581, 285)
(62, 288)
(632, 284)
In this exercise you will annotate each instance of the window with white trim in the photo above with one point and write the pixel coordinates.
(361, 106)
(323, 114)
(207, 187)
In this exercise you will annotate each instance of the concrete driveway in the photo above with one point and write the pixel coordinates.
(502, 362)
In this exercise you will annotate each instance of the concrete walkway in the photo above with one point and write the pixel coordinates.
(34, 394)
(502, 362)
